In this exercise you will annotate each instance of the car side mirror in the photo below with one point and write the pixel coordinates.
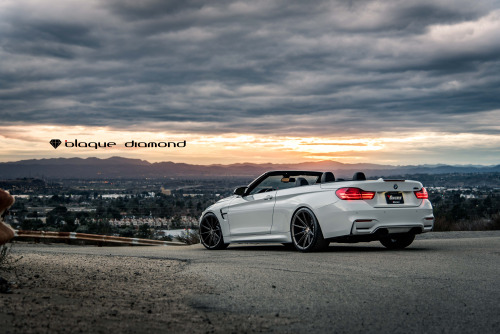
(240, 191)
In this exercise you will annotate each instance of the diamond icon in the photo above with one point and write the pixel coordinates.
(55, 143)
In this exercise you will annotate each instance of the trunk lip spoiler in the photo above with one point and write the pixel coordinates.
(393, 180)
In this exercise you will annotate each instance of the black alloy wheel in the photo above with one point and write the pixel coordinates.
(306, 232)
(211, 233)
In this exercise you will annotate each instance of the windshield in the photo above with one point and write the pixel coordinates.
(283, 181)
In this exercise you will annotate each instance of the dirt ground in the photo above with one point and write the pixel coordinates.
(100, 294)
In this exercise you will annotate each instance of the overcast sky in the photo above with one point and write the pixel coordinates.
(267, 69)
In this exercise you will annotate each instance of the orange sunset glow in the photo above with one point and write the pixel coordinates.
(32, 142)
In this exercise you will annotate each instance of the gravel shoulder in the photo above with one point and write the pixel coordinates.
(54, 293)
(445, 282)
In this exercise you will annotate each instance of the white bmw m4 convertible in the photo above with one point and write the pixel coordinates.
(311, 209)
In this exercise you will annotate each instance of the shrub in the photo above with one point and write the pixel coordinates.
(167, 238)
(189, 237)
(495, 223)
(4, 254)
(127, 232)
(6, 259)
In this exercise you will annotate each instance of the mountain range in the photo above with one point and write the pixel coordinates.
(118, 167)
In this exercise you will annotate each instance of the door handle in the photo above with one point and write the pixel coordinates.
(268, 197)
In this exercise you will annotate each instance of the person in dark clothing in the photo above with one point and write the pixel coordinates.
(6, 232)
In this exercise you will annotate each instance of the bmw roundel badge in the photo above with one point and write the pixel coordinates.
(395, 186)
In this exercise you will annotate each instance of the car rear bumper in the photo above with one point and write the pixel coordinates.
(375, 226)
(366, 220)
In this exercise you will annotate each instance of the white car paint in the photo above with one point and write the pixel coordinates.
(266, 217)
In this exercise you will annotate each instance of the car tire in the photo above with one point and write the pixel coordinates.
(305, 232)
(211, 233)
(398, 242)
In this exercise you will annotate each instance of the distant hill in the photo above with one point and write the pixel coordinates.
(117, 167)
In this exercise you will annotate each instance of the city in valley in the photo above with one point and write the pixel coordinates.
(163, 208)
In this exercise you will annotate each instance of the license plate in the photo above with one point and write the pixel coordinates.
(394, 198)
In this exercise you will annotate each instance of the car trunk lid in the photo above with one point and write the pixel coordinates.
(389, 193)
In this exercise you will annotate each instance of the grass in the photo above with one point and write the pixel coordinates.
(6, 259)
(4, 255)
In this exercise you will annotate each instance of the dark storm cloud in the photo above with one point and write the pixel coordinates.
(271, 67)
(150, 9)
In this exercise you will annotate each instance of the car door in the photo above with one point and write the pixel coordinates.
(252, 214)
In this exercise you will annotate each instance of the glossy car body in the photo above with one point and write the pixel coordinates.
(279, 205)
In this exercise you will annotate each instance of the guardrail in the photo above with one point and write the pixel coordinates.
(95, 238)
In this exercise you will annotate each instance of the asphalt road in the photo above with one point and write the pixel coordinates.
(442, 283)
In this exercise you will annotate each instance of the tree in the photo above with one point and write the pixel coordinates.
(144, 232)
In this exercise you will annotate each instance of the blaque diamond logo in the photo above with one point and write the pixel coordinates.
(98, 145)
(55, 143)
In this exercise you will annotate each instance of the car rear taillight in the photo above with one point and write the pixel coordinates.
(354, 194)
(422, 194)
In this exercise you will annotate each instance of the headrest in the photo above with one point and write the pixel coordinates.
(359, 176)
(301, 182)
(327, 177)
